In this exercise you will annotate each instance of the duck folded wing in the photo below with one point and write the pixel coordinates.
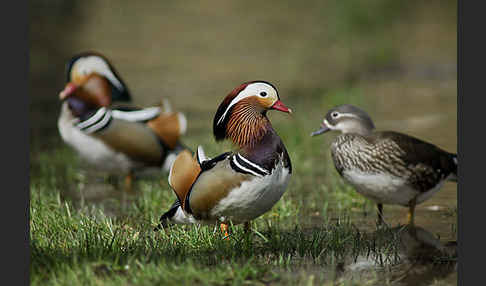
(133, 139)
(136, 114)
(167, 125)
(214, 184)
(426, 164)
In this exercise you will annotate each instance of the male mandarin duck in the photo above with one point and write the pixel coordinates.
(387, 167)
(234, 186)
(115, 140)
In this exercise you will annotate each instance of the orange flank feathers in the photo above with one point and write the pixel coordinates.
(168, 127)
(183, 174)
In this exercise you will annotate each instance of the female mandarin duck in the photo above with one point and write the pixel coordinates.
(114, 140)
(234, 186)
(387, 167)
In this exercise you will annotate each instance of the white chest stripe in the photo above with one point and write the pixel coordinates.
(93, 119)
(245, 169)
(252, 164)
(243, 165)
(99, 120)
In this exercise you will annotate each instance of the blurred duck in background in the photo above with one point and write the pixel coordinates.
(386, 166)
(118, 140)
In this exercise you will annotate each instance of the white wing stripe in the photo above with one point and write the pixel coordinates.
(201, 156)
(139, 115)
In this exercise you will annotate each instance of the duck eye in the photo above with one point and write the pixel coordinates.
(334, 114)
(263, 94)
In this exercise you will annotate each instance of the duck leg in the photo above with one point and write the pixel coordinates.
(129, 182)
(224, 229)
(380, 213)
(411, 211)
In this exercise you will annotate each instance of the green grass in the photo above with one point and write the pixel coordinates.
(85, 247)
(79, 240)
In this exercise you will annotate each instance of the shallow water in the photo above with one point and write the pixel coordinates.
(427, 111)
(419, 252)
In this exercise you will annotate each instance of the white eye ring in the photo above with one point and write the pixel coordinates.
(335, 114)
(263, 94)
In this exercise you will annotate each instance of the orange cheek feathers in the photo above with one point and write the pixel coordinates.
(97, 90)
(265, 102)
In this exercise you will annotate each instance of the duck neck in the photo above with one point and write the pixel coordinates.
(247, 127)
(360, 130)
(80, 108)
(266, 151)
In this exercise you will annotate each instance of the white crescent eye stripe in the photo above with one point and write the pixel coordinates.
(233, 102)
(96, 64)
(252, 89)
(328, 125)
(345, 115)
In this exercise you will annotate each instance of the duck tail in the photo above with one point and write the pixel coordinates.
(167, 216)
(453, 176)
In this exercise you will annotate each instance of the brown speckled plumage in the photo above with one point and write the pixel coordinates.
(423, 165)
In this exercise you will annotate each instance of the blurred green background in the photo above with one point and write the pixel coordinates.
(399, 55)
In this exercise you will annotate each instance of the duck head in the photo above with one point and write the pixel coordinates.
(241, 117)
(85, 64)
(90, 94)
(346, 118)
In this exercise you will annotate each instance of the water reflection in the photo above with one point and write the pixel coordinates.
(423, 259)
